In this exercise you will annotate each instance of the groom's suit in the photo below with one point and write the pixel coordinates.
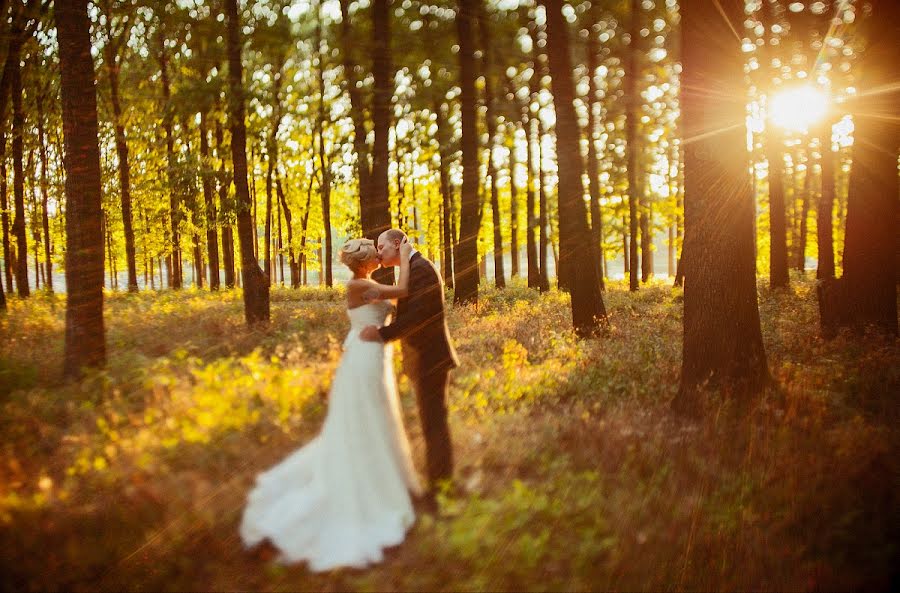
(428, 357)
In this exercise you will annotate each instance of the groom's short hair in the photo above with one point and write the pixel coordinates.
(395, 235)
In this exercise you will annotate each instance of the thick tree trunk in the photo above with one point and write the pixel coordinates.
(588, 311)
(383, 73)
(866, 294)
(18, 124)
(467, 250)
(825, 206)
(85, 343)
(112, 71)
(255, 283)
(633, 105)
(722, 347)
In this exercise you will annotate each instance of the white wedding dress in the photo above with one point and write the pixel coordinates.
(345, 495)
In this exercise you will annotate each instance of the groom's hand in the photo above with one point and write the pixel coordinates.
(370, 334)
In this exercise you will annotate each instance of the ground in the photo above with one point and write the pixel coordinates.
(572, 472)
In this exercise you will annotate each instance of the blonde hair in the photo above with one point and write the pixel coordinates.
(356, 252)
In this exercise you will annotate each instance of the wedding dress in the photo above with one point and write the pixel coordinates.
(344, 496)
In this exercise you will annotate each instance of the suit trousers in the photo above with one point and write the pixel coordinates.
(431, 395)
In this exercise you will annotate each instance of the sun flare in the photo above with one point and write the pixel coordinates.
(797, 108)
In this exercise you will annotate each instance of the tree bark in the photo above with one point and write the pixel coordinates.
(85, 342)
(513, 207)
(380, 208)
(18, 123)
(593, 166)
(825, 207)
(255, 283)
(804, 214)
(588, 310)
(175, 270)
(45, 194)
(288, 217)
(467, 250)
(722, 344)
(226, 208)
(212, 239)
(531, 256)
(866, 294)
(111, 57)
(446, 195)
(633, 103)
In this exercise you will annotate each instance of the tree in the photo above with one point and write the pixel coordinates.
(379, 213)
(824, 216)
(722, 345)
(85, 337)
(593, 167)
(467, 251)
(632, 99)
(866, 294)
(117, 32)
(255, 282)
(588, 311)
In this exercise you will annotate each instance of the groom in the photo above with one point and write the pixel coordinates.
(428, 356)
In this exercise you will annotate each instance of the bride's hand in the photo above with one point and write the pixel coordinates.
(406, 250)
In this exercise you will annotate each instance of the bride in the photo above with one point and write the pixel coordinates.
(345, 495)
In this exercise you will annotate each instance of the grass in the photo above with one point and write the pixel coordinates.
(573, 473)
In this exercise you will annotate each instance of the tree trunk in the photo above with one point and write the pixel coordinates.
(446, 195)
(531, 256)
(467, 251)
(176, 280)
(491, 124)
(593, 166)
(866, 294)
(722, 344)
(633, 104)
(112, 71)
(212, 239)
(290, 233)
(804, 213)
(256, 286)
(18, 227)
(778, 256)
(272, 157)
(588, 311)
(85, 343)
(227, 210)
(380, 208)
(45, 194)
(825, 207)
(513, 208)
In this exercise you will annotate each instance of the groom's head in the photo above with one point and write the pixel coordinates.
(389, 243)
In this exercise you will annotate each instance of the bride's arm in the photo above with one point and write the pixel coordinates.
(398, 291)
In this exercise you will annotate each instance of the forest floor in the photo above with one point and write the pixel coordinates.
(572, 472)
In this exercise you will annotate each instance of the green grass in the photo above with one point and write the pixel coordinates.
(573, 473)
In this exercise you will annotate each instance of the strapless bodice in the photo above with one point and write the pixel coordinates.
(369, 314)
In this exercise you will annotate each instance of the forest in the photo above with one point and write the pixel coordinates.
(669, 235)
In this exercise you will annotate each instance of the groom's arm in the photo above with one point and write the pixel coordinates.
(416, 312)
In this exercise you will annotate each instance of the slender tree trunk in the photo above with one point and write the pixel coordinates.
(491, 124)
(7, 246)
(534, 272)
(866, 294)
(513, 208)
(45, 195)
(633, 103)
(446, 195)
(593, 166)
(272, 157)
(722, 344)
(227, 210)
(288, 217)
(543, 216)
(112, 71)
(18, 227)
(588, 311)
(804, 213)
(176, 280)
(256, 286)
(467, 251)
(304, 224)
(825, 207)
(778, 256)
(85, 343)
(206, 179)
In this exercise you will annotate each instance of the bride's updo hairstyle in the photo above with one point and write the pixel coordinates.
(356, 252)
